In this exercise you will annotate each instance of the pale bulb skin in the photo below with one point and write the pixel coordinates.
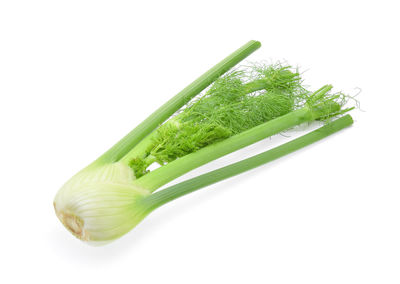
(101, 203)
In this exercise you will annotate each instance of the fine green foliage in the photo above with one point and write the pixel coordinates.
(326, 104)
(236, 102)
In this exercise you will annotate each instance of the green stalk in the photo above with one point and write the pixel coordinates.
(157, 199)
(158, 177)
(139, 151)
(256, 85)
(165, 111)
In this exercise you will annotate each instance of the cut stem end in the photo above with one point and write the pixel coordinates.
(73, 223)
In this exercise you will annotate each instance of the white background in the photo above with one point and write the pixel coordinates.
(75, 76)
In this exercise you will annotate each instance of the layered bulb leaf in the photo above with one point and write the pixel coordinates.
(101, 203)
